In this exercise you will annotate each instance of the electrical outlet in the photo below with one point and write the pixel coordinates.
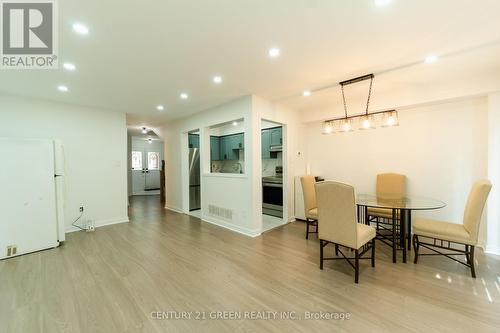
(11, 250)
(81, 209)
(89, 226)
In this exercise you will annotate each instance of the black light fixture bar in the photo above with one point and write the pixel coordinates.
(358, 115)
(357, 79)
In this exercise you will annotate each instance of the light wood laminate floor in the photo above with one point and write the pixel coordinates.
(113, 279)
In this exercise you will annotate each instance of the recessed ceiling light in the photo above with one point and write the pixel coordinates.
(306, 93)
(69, 66)
(62, 88)
(184, 96)
(381, 3)
(80, 28)
(160, 108)
(431, 59)
(217, 79)
(144, 130)
(235, 123)
(274, 52)
(150, 140)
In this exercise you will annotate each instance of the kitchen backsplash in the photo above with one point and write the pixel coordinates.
(269, 166)
(230, 166)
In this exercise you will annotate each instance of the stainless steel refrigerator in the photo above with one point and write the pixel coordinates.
(194, 179)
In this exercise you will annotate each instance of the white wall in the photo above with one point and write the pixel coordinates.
(493, 228)
(230, 191)
(95, 146)
(129, 164)
(441, 148)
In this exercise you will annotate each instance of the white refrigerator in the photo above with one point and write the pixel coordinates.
(31, 195)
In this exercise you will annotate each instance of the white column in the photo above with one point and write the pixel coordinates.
(253, 159)
(493, 213)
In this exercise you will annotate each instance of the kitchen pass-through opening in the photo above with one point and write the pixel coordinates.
(272, 175)
(194, 173)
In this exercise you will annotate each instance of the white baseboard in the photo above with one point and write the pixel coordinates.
(99, 224)
(221, 223)
(175, 209)
(232, 227)
(492, 250)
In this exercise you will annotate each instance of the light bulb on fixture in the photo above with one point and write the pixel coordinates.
(327, 127)
(144, 130)
(346, 125)
(391, 119)
(150, 140)
(366, 122)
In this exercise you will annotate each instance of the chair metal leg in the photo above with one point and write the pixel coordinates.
(356, 266)
(409, 230)
(394, 244)
(320, 254)
(472, 269)
(336, 249)
(373, 252)
(416, 248)
(467, 254)
(307, 228)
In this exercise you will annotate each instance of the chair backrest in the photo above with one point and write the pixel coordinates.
(309, 192)
(475, 206)
(391, 185)
(337, 213)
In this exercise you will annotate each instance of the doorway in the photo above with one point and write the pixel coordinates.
(194, 173)
(272, 143)
(146, 157)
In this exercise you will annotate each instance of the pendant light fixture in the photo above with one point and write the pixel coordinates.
(365, 121)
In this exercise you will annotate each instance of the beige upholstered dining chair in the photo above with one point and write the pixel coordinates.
(389, 186)
(310, 207)
(445, 234)
(338, 224)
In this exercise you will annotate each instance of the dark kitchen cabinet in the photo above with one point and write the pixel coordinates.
(271, 137)
(265, 144)
(194, 141)
(276, 136)
(215, 148)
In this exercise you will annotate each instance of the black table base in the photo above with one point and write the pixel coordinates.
(398, 236)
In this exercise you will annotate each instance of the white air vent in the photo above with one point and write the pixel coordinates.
(224, 213)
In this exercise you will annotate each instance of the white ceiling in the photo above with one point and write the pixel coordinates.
(143, 53)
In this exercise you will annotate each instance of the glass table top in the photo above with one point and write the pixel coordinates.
(412, 203)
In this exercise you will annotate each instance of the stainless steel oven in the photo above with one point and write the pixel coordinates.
(272, 196)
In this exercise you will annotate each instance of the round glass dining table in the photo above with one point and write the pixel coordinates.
(395, 211)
